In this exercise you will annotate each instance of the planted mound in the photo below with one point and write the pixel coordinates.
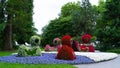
(46, 58)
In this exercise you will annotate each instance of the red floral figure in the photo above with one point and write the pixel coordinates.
(66, 52)
(86, 46)
(91, 48)
(86, 38)
(75, 45)
(83, 48)
(66, 40)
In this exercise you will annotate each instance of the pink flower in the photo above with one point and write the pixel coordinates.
(47, 47)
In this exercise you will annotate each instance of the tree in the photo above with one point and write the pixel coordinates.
(62, 25)
(109, 31)
(2, 15)
(24, 21)
(88, 16)
(69, 22)
(7, 27)
(73, 10)
(100, 9)
(56, 28)
(84, 19)
(69, 8)
(19, 24)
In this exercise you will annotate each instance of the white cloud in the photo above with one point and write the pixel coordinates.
(46, 10)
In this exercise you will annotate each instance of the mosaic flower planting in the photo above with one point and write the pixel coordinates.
(46, 58)
(31, 50)
(49, 58)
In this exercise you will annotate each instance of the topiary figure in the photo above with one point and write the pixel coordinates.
(32, 50)
(66, 52)
(56, 45)
(86, 46)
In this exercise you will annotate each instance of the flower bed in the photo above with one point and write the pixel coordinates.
(46, 58)
(49, 58)
(96, 56)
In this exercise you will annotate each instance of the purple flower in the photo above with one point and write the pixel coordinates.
(44, 59)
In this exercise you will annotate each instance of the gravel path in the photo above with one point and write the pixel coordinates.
(115, 63)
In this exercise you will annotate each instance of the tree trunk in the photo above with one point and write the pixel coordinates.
(7, 43)
(8, 37)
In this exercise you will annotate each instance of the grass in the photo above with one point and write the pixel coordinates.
(11, 65)
(15, 65)
(114, 50)
(4, 53)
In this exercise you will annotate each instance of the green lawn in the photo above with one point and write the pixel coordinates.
(114, 50)
(4, 53)
(13, 65)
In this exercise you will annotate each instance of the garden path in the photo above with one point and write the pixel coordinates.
(115, 63)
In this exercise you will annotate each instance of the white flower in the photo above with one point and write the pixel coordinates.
(100, 56)
(96, 56)
(35, 41)
(34, 49)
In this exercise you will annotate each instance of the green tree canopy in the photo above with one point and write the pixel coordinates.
(19, 24)
(69, 8)
(69, 22)
(108, 32)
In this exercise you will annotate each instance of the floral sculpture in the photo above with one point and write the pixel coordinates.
(86, 46)
(66, 52)
(32, 50)
(56, 45)
(75, 45)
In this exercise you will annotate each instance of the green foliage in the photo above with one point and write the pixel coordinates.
(108, 30)
(71, 21)
(56, 28)
(2, 16)
(88, 16)
(31, 52)
(100, 9)
(22, 24)
(93, 39)
(77, 38)
(2, 26)
(116, 50)
(20, 17)
(35, 40)
(69, 8)
(34, 49)
(84, 19)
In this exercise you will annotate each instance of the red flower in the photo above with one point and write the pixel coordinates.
(86, 38)
(88, 48)
(66, 40)
(66, 52)
(91, 48)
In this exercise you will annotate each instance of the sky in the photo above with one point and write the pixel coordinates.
(46, 10)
